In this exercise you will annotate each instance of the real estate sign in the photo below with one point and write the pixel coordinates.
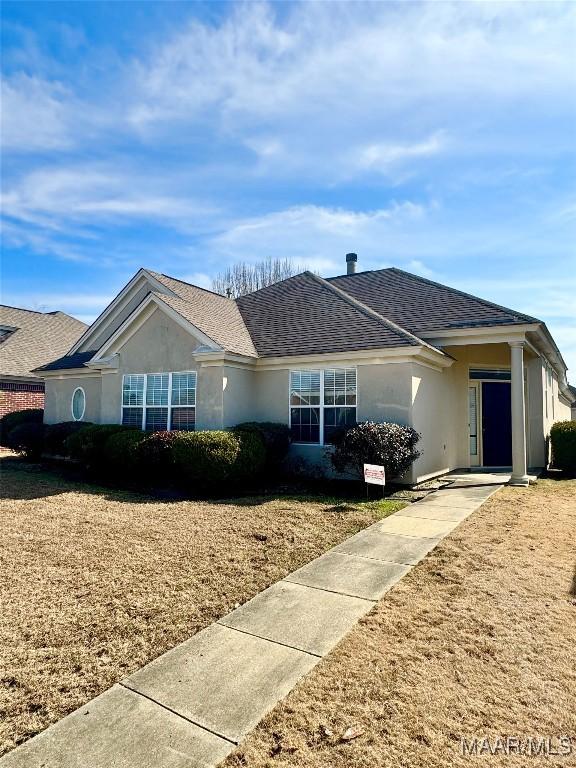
(374, 474)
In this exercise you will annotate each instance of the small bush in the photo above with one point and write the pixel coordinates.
(563, 438)
(276, 438)
(120, 453)
(87, 445)
(155, 454)
(27, 439)
(11, 420)
(55, 435)
(387, 444)
(252, 456)
(205, 461)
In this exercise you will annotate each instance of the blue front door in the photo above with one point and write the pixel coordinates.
(496, 424)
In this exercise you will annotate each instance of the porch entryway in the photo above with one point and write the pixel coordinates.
(490, 417)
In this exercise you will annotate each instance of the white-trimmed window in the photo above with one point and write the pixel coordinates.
(78, 404)
(159, 401)
(322, 403)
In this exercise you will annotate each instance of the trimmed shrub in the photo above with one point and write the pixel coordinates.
(55, 435)
(155, 454)
(204, 461)
(252, 456)
(120, 453)
(387, 444)
(27, 439)
(11, 420)
(276, 438)
(87, 445)
(563, 438)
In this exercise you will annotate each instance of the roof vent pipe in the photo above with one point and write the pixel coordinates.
(351, 259)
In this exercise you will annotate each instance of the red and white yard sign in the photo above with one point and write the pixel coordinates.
(374, 473)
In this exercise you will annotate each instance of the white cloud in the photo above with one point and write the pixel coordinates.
(381, 157)
(54, 198)
(35, 114)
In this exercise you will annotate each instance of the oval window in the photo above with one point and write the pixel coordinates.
(78, 404)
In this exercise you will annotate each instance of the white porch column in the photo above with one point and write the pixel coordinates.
(519, 476)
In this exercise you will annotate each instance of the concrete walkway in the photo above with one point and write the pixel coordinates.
(193, 705)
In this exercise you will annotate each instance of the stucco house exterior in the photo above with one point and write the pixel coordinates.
(481, 383)
(29, 339)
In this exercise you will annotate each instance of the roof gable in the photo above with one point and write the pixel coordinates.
(421, 305)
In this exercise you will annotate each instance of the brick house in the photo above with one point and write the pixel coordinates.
(29, 339)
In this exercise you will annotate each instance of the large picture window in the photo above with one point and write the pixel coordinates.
(321, 403)
(158, 401)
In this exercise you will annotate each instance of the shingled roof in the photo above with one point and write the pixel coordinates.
(419, 305)
(34, 338)
(306, 314)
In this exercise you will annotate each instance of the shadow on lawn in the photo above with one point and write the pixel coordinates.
(51, 478)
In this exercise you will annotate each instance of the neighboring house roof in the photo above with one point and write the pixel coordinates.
(305, 315)
(572, 391)
(419, 305)
(31, 339)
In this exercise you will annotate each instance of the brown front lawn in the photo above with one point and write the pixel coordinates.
(95, 583)
(478, 640)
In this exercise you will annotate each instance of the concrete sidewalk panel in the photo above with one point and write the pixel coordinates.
(301, 617)
(222, 679)
(349, 575)
(436, 512)
(390, 548)
(416, 526)
(120, 729)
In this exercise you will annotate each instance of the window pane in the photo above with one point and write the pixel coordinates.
(340, 386)
(156, 419)
(157, 389)
(78, 404)
(337, 419)
(132, 417)
(183, 418)
(491, 375)
(183, 389)
(305, 388)
(305, 425)
(473, 421)
(133, 389)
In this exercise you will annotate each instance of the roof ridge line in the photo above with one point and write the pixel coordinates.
(461, 293)
(371, 312)
(190, 285)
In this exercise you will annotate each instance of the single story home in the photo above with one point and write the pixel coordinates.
(482, 384)
(29, 339)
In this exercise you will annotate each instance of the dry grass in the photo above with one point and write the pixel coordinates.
(478, 640)
(95, 583)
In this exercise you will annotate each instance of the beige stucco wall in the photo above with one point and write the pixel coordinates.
(385, 392)
(239, 403)
(110, 327)
(436, 417)
(58, 398)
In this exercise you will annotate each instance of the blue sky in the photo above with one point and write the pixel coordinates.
(437, 137)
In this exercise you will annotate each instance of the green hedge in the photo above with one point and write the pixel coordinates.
(87, 445)
(14, 419)
(28, 439)
(275, 436)
(55, 436)
(120, 453)
(563, 438)
(205, 461)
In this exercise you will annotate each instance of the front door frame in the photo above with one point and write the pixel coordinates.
(478, 460)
